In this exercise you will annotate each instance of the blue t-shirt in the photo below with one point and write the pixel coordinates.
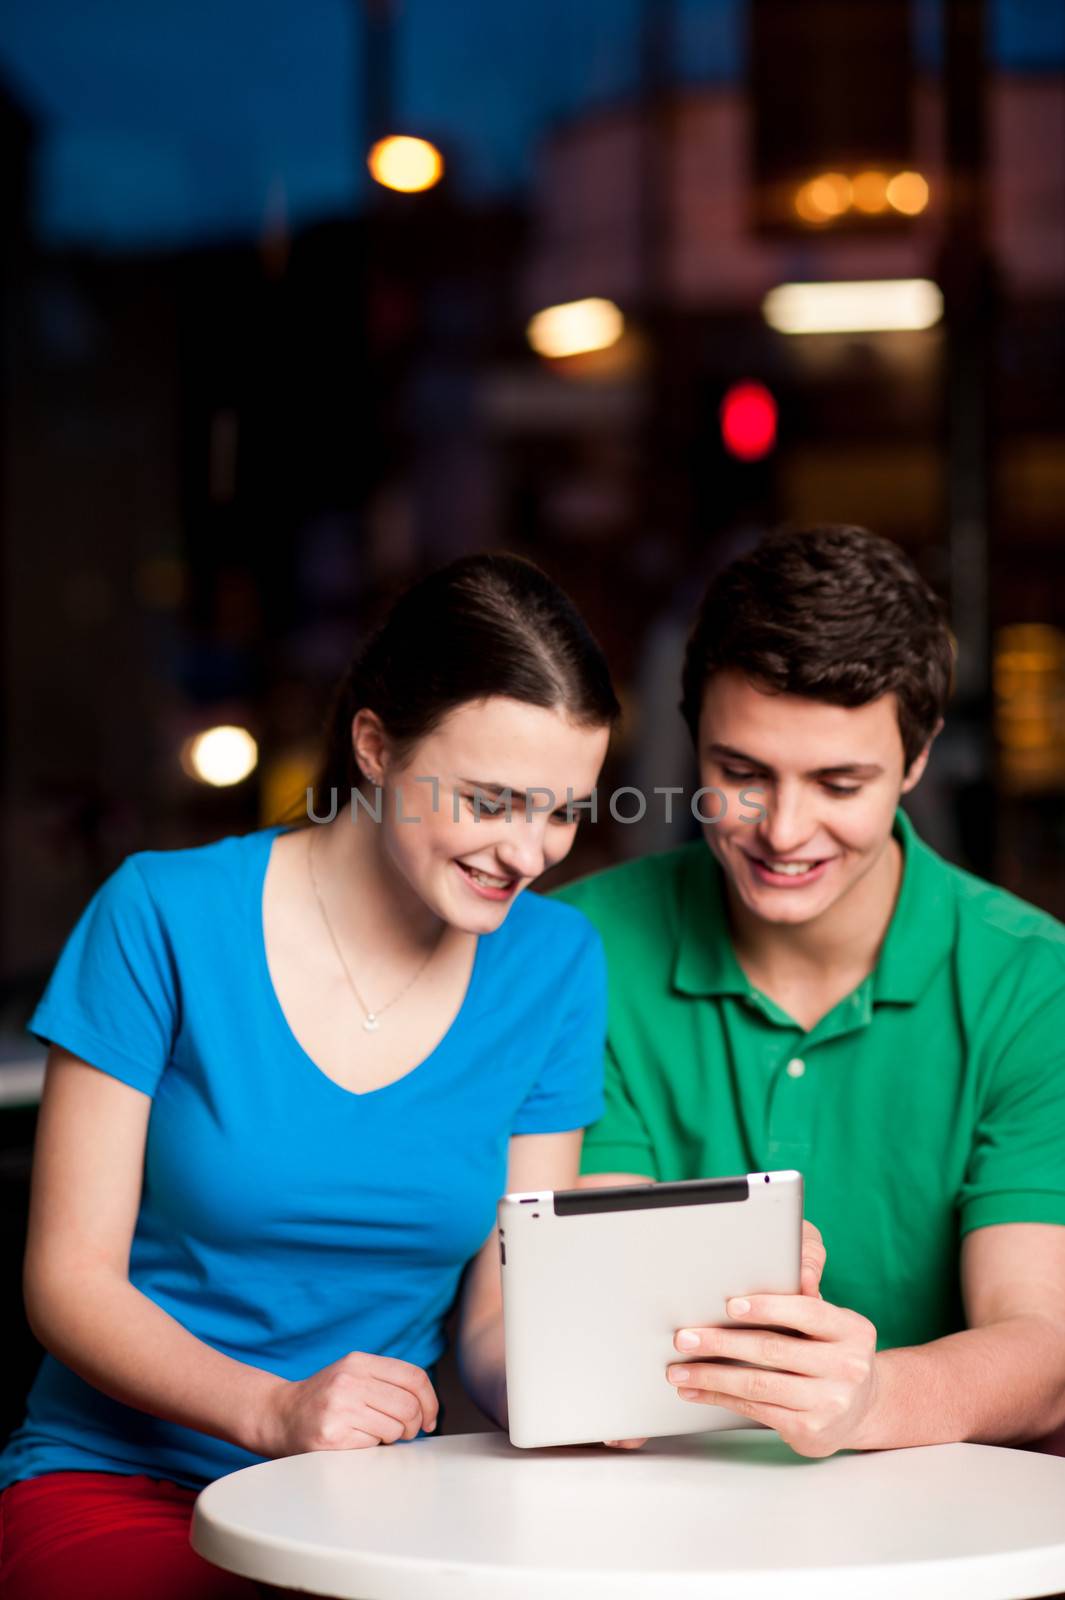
(285, 1220)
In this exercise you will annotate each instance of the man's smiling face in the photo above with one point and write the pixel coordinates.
(829, 778)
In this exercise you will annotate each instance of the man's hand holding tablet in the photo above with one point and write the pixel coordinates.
(647, 1261)
(705, 1379)
(815, 1390)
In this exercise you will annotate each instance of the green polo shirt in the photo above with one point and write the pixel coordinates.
(928, 1102)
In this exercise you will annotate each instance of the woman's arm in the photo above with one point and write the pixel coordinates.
(87, 1174)
(535, 1161)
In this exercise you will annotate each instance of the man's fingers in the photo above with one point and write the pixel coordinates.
(801, 1312)
(742, 1383)
(780, 1351)
(814, 1257)
(758, 1411)
(624, 1444)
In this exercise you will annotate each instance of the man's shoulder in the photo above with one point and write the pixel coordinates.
(999, 929)
(644, 892)
(1002, 913)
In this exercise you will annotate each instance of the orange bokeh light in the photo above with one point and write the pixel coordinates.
(869, 192)
(908, 192)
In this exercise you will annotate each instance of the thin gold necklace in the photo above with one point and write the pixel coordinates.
(371, 1019)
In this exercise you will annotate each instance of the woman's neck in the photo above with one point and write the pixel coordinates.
(369, 903)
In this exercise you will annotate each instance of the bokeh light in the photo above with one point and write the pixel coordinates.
(407, 165)
(1029, 683)
(880, 305)
(869, 193)
(749, 421)
(908, 192)
(575, 328)
(823, 198)
(220, 756)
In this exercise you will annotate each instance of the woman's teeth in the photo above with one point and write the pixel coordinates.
(487, 880)
(791, 869)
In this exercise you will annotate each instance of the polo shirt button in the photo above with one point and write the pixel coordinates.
(796, 1068)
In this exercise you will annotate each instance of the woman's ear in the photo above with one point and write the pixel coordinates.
(370, 744)
(915, 770)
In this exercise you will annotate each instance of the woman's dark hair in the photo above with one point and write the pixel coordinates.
(832, 613)
(489, 624)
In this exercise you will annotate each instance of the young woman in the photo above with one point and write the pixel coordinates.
(290, 1074)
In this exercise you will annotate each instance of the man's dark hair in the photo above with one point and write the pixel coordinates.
(831, 613)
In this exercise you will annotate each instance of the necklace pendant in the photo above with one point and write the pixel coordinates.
(371, 1024)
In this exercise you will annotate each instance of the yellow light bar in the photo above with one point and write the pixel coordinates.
(575, 328)
(880, 305)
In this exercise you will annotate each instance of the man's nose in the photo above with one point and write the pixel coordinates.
(787, 824)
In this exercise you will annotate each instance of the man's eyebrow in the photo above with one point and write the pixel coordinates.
(851, 769)
(738, 755)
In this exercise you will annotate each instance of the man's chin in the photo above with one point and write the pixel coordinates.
(792, 913)
(783, 905)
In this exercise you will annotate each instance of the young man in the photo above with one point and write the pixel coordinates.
(819, 990)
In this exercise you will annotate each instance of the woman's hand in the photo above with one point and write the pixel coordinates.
(358, 1401)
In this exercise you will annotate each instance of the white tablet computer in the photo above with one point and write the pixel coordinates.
(596, 1283)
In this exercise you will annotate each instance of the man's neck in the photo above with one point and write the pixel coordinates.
(833, 953)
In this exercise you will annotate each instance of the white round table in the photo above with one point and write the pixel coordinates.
(727, 1514)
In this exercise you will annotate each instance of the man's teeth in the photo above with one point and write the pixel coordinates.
(791, 869)
(487, 880)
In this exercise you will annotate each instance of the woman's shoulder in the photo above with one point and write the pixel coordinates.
(542, 953)
(555, 930)
(193, 875)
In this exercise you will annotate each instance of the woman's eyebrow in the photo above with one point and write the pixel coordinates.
(493, 789)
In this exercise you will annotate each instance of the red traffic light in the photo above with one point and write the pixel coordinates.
(749, 421)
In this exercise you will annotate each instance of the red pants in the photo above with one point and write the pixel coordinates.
(104, 1536)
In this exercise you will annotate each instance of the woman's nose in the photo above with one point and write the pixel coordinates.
(522, 850)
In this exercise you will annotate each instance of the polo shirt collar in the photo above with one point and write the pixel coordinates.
(705, 961)
(919, 937)
(922, 931)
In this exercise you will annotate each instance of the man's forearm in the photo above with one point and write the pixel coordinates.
(1000, 1384)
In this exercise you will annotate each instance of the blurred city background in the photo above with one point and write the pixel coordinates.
(299, 301)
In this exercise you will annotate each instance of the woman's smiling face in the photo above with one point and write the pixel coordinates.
(446, 826)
